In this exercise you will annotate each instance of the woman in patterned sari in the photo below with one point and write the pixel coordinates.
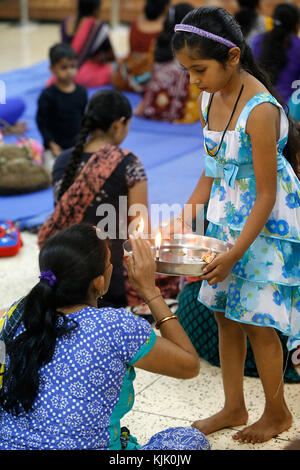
(89, 37)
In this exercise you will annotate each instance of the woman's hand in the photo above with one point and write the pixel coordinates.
(141, 271)
(2, 312)
(218, 269)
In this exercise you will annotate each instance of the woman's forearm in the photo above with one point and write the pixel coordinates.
(170, 329)
(256, 221)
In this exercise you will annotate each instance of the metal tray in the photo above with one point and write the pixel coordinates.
(181, 256)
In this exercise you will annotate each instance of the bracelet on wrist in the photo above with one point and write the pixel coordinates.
(156, 297)
(160, 322)
(184, 223)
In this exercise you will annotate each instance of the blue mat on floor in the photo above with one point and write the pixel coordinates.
(171, 153)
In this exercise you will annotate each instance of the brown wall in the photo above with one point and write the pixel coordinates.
(58, 9)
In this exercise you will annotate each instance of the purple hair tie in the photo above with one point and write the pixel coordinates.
(201, 32)
(49, 276)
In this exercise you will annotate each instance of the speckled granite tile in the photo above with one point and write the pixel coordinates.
(18, 274)
(185, 399)
(144, 380)
(168, 397)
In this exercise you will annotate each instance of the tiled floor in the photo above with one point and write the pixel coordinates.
(22, 47)
(160, 402)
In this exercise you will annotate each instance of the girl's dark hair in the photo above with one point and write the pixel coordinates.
(247, 15)
(76, 256)
(154, 8)
(104, 108)
(275, 43)
(218, 21)
(86, 8)
(163, 49)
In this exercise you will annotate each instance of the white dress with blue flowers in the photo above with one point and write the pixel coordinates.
(264, 286)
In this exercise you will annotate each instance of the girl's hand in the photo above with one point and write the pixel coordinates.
(141, 271)
(173, 226)
(218, 269)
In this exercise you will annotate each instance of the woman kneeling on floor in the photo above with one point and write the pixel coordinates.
(69, 369)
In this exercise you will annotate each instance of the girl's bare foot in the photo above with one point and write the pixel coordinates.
(265, 428)
(224, 419)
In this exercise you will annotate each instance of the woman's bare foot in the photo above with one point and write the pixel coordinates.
(224, 419)
(265, 428)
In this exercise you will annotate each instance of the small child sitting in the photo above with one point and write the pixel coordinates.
(61, 106)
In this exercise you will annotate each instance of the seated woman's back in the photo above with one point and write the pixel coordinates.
(278, 51)
(168, 95)
(249, 19)
(134, 71)
(80, 400)
(89, 37)
(85, 9)
(147, 26)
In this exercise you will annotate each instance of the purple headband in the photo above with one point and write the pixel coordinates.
(49, 276)
(201, 32)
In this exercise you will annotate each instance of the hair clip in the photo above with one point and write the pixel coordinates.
(49, 276)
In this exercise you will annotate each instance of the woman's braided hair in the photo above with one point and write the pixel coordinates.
(105, 107)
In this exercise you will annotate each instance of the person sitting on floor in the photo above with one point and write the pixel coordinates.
(134, 71)
(69, 374)
(89, 37)
(168, 95)
(97, 171)
(278, 51)
(61, 106)
(250, 20)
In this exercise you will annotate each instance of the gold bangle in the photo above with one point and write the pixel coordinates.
(171, 317)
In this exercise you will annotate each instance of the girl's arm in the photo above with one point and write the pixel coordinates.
(263, 128)
(138, 194)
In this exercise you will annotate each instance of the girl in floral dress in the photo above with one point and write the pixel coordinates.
(253, 192)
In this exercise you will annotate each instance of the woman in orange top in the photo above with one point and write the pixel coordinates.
(134, 72)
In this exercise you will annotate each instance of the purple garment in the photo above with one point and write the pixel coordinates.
(290, 73)
(65, 37)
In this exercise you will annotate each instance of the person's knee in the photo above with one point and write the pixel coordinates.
(224, 322)
(267, 335)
